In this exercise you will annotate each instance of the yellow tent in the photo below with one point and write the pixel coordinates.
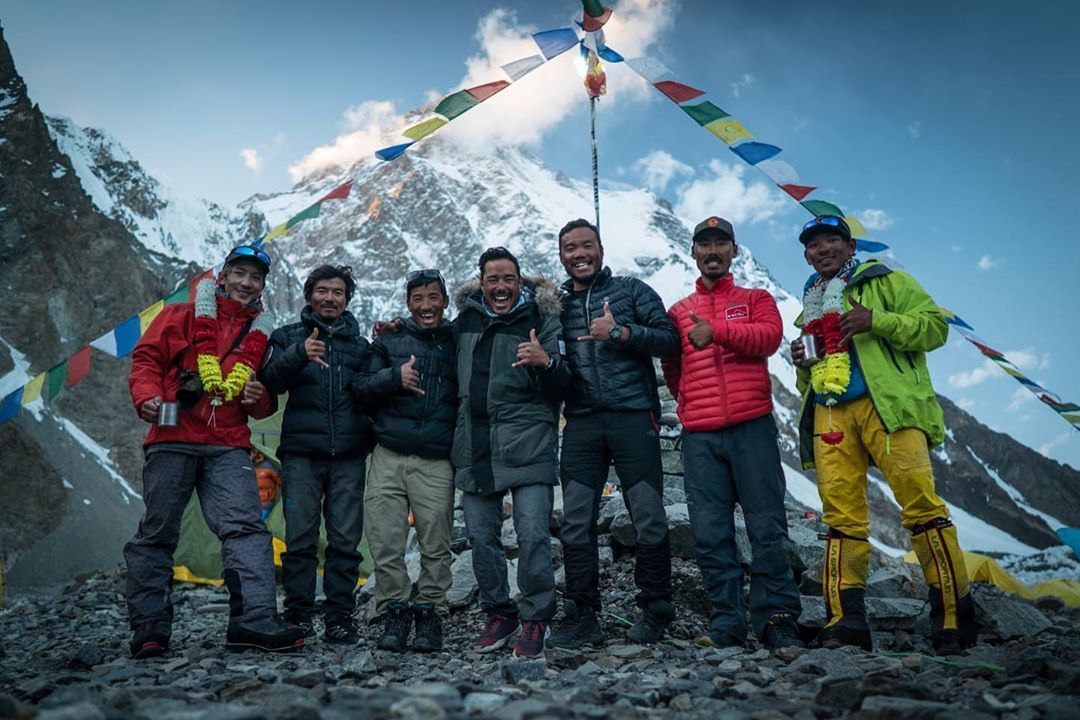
(982, 568)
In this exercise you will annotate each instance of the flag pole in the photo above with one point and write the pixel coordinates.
(595, 166)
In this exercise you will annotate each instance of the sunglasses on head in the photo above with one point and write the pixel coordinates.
(830, 220)
(430, 274)
(250, 251)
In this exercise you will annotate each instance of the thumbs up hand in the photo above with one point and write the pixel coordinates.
(410, 377)
(531, 353)
(600, 328)
(856, 320)
(700, 335)
(315, 348)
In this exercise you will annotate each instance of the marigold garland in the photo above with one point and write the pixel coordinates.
(823, 304)
(251, 348)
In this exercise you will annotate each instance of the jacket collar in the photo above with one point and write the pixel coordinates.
(722, 285)
(599, 280)
(346, 325)
(443, 329)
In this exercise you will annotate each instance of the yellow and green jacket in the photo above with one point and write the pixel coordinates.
(907, 324)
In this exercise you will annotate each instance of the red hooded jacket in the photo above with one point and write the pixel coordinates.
(728, 382)
(168, 347)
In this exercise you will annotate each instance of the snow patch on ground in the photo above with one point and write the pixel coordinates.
(1049, 564)
(1015, 495)
(18, 375)
(802, 488)
(101, 455)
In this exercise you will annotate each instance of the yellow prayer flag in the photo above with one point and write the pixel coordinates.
(729, 130)
(422, 130)
(32, 391)
(1071, 418)
(857, 228)
(1014, 373)
(276, 232)
(147, 316)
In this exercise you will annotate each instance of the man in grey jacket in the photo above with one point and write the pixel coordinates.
(511, 381)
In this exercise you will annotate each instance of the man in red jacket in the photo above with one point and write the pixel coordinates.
(721, 381)
(203, 357)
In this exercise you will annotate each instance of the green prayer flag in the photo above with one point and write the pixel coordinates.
(820, 207)
(54, 382)
(593, 8)
(180, 295)
(453, 105)
(306, 214)
(704, 113)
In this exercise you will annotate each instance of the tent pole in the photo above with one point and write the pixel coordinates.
(595, 169)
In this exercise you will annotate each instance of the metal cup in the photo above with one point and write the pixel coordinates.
(168, 414)
(812, 350)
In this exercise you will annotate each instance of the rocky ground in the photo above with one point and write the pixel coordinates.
(64, 655)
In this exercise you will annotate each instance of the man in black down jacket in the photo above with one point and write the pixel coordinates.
(613, 326)
(324, 441)
(410, 380)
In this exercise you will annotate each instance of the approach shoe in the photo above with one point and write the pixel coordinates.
(428, 629)
(530, 642)
(781, 632)
(397, 622)
(268, 634)
(578, 628)
(340, 631)
(304, 622)
(655, 618)
(498, 631)
(150, 640)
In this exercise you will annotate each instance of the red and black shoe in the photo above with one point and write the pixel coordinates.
(150, 640)
(530, 642)
(498, 631)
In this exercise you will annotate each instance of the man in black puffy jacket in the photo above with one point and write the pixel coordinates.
(410, 380)
(324, 441)
(612, 326)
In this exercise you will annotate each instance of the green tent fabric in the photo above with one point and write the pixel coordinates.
(198, 554)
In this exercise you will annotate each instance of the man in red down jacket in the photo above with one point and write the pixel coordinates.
(203, 355)
(720, 379)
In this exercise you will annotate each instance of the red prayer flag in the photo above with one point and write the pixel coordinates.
(677, 91)
(338, 193)
(483, 92)
(196, 280)
(78, 366)
(798, 191)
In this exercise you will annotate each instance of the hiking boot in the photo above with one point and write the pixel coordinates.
(578, 628)
(150, 640)
(530, 642)
(428, 629)
(496, 633)
(397, 622)
(340, 631)
(268, 634)
(655, 618)
(781, 632)
(720, 639)
(302, 621)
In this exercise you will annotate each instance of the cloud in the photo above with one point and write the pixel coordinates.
(915, 130)
(369, 126)
(658, 168)
(1020, 397)
(956, 248)
(1056, 441)
(746, 82)
(987, 263)
(725, 191)
(875, 219)
(1023, 359)
(523, 113)
(252, 161)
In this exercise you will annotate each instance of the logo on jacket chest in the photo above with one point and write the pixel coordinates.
(737, 311)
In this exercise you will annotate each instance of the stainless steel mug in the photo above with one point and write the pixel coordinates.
(812, 350)
(168, 414)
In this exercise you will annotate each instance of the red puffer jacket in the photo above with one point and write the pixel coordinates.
(168, 347)
(728, 382)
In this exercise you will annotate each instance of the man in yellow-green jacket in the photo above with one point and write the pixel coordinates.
(867, 397)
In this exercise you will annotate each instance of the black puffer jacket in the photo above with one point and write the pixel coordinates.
(322, 416)
(405, 422)
(613, 375)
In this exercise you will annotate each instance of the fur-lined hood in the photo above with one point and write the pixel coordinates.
(545, 293)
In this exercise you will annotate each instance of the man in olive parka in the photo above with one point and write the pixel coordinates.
(511, 380)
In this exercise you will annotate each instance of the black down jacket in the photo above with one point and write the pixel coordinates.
(614, 375)
(405, 422)
(322, 416)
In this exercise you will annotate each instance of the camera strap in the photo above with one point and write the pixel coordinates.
(238, 339)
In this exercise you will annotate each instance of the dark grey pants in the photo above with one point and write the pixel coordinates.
(590, 444)
(314, 488)
(229, 496)
(740, 464)
(535, 576)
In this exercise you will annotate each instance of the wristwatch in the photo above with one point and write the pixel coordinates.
(616, 333)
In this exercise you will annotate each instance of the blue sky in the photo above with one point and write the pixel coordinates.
(950, 125)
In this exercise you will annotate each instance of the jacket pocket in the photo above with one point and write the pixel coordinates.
(525, 438)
